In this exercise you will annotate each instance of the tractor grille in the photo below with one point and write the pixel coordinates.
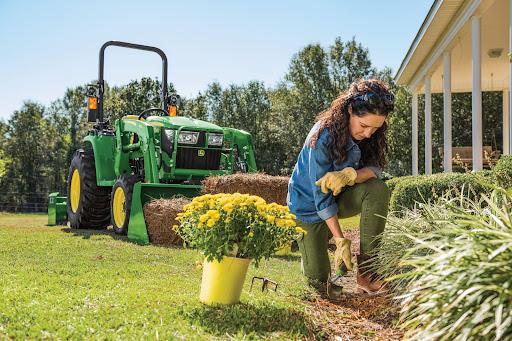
(189, 158)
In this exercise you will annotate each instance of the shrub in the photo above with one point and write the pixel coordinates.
(503, 171)
(392, 183)
(237, 225)
(409, 190)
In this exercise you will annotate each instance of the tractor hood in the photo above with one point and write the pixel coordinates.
(182, 121)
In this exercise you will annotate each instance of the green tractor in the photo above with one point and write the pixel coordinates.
(153, 154)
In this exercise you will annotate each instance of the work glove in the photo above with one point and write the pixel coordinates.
(342, 255)
(335, 181)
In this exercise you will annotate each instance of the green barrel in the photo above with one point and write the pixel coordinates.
(57, 209)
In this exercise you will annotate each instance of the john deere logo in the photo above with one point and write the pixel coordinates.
(200, 152)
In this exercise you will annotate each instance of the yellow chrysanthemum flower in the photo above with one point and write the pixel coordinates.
(228, 207)
(204, 218)
(210, 223)
(290, 223)
(300, 230)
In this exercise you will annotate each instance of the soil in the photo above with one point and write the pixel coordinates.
(357, 316)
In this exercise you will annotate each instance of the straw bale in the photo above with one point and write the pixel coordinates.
(271, 188)
(160, 216)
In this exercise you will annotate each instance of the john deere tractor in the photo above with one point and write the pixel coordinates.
(146, 155)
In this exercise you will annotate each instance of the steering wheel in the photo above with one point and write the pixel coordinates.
(144, 113)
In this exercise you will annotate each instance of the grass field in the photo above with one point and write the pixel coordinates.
(62, 283)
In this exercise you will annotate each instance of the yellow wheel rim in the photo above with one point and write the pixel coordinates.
(75, 190)
(118, 207)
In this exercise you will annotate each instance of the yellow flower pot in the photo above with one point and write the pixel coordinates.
(284, 251)
(223, 281)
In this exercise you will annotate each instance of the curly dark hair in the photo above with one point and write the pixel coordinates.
(336, 118)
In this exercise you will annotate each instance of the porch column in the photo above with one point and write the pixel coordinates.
(506, 123)
(428, 126)
(415, 132)
(476, 95)
(447, 112)
(509, 145)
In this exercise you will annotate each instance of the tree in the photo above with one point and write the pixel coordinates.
(27, 145)
(4, 159)
(349, 62)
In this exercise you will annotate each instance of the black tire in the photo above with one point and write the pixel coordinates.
(93, 209)
(125, 184)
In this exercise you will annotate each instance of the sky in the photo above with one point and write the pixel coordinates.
(49, 46)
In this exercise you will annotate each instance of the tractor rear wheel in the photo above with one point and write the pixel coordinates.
(88, 204)
(121, 202)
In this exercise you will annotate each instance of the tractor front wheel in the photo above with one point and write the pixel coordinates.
(121, 202)
(88, 204)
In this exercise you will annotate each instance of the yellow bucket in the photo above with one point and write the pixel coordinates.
(223, 281)
(284, 251)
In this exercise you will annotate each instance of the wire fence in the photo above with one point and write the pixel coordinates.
(25, 202)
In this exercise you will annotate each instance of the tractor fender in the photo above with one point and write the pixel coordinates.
(103, 146)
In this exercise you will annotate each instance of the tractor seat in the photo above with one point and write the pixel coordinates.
(132, 117)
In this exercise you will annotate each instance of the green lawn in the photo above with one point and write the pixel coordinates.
(61, 283)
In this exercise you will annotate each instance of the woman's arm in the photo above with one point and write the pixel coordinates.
(334, 226)
(364, 174)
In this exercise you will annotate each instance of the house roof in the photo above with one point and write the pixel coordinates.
(447, 28)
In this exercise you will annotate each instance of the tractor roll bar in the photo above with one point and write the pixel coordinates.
(163, 96)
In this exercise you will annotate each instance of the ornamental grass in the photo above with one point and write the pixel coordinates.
(454, 271)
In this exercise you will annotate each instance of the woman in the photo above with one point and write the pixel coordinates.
(337, 175)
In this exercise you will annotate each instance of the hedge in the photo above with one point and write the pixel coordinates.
(407, 191)
(503, 171)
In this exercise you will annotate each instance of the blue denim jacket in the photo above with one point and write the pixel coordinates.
(305, 199)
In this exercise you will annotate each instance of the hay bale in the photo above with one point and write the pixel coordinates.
(271, 188)
(160, 216)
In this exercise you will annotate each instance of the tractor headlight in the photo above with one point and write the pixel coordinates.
(188, 137)
(170, 133)
(215, 139)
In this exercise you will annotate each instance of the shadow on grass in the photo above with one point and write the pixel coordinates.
(87, 233)
(245, 318)
(290, 258)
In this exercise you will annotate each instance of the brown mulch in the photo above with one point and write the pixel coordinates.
(357, 316)
(271, 188)
(160, 216)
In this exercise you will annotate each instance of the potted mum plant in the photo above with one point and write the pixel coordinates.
(231, 230)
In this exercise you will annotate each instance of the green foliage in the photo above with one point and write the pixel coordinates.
(408, 191)
(28, 139)
(503, 171)
(400, 127)
(403, 229)
(236, 225)
(461, 272)
(113, 289)
(399, 134)
(4, 159)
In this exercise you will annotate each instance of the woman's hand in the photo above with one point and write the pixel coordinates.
(342, 254)
(335, 181)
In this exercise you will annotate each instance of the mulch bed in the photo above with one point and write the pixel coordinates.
(271, 188)
(160, 216)
(357, 316)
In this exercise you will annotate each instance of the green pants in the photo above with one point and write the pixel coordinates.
(371, 200)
